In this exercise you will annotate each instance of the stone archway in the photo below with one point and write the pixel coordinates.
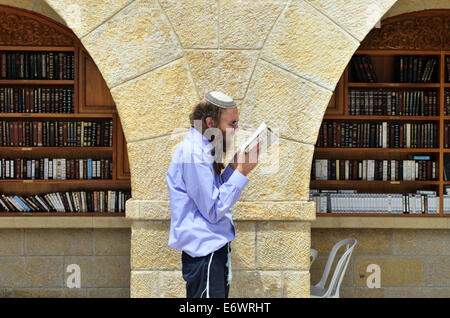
(280, 60)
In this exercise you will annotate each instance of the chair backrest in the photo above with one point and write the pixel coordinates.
(341, 267)
(313, 256)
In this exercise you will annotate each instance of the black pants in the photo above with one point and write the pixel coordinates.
(197, 270)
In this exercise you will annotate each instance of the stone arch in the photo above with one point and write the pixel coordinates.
(280, 60)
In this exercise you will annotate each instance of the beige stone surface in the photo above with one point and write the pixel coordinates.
(83, 16)
(285, 178)
(111, 241)
(148, 171)
(31, 271)
(243, 248)
(285, 102)
(11, 242)
(100, 271)
(195, 22)
(420, 242)
(304, 41)
(24, 4)
(45, 293)
(242, 210)
(405, 6)
(149, 247)
(260, 284)
(370, 241)
(108, 292)
(438, 271)
(275, 211)
(437, 4)
(395, 271)
(143, 284)
(160, 284)
(283, 245)
(135, 40)
(296, 284)
(41, 6)
(246, 24)
(58, 242)
(228, 71)
(357, 17)
(157, 102)
(386, 222)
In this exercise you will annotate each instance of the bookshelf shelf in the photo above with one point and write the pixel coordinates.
(56, 115)
(41, 214)
(374, 182)
(387, 75)
(382, 118)
(36, 82)
(374, 150)
(52, 80)
(394, 85)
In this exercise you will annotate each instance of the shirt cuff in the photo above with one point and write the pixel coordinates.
(226, 174)
(238, 179)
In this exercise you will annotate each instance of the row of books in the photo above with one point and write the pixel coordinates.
(37, 65)
(415, 69)
(56, 133)
(78, 201)
(36, 100)
(447, 60)
(385, 170)
(55, 169)
(393, 102)
(362, 69)
(377, 135)
(349, 201)
(446, 102)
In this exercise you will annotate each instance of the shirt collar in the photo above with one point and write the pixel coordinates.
(198, 137)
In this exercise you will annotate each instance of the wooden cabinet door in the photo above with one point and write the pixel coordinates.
(95, 96)
(336, 105)
(122, 163)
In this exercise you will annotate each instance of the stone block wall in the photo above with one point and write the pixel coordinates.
(33, 262)
(413, 263)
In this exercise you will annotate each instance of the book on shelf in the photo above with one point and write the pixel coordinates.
(55, 169)
(421, 202)
(77, 201)
(420, 169)
(446, 102)
(377, 135)
(363, 69)
(447, 59)
(56, 133)
(36, 100)
(37, 65)
(415, 69)
(388, 102)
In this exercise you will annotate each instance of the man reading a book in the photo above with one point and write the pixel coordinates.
(201, 196)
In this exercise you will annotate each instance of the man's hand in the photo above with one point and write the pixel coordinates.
(246, 162)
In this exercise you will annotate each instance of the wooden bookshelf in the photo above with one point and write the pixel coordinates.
(92, 101)
(384, 46)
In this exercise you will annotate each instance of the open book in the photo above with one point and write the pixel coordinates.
(264, 134)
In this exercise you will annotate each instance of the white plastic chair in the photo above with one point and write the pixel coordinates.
(313, 257)
(332, 291)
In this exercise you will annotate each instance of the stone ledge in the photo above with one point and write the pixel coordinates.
(58, 222)
(383, 222)
(242, 211)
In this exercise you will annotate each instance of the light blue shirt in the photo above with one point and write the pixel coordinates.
(200, 199)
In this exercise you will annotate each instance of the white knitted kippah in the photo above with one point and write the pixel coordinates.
(220, 100)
